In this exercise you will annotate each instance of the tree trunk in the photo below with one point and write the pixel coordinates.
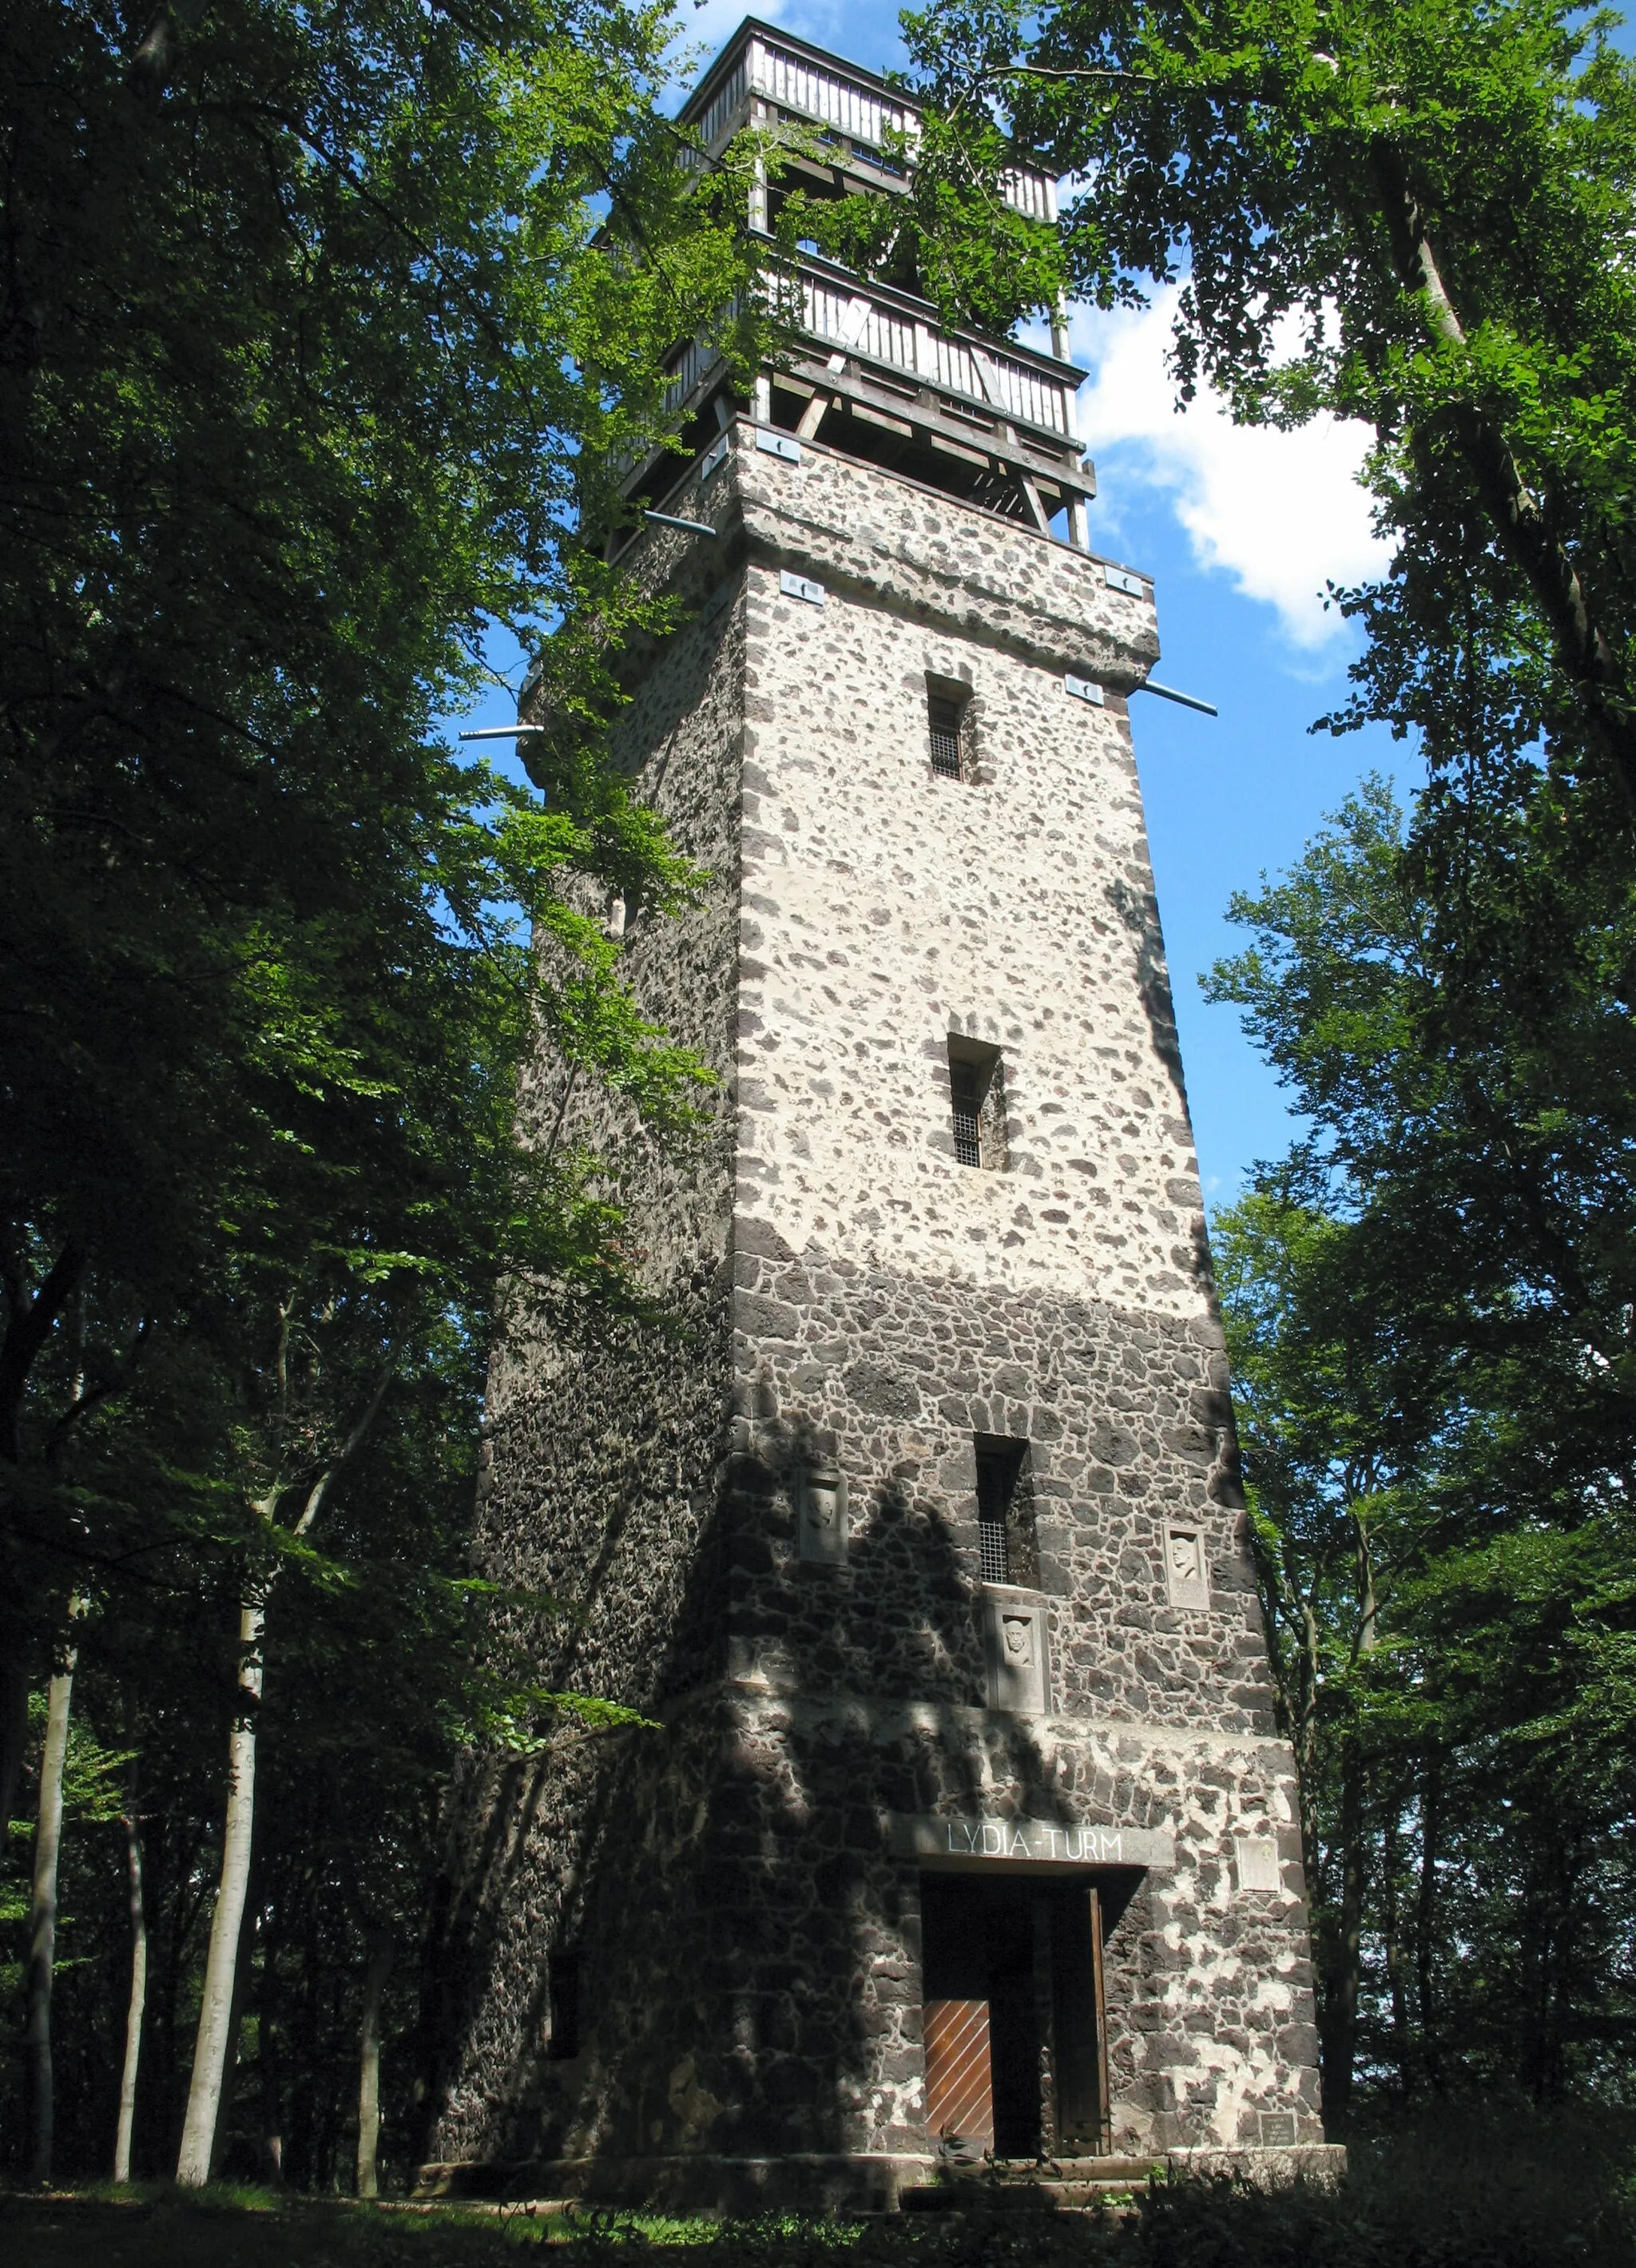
(369, 2068)
(214, 2041)
(1340, 2011)
(1396, 1958)
(43, 1916)
(249, 1930)
(1426, 1920)
(25, 1333)
(269, 2018)
(139, 1988)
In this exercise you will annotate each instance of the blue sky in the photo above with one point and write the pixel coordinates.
(1240, 531)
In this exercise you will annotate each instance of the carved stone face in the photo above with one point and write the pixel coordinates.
(1185, 1558)
(1017, 1633)
(823, 1499)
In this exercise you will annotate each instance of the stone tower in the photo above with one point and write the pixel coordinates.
(962, 1823)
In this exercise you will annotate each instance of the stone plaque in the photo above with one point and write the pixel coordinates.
(1031, 1842)
(1258, 1859)
(1187, 1571)
(822, 1490)
(1013, 1632)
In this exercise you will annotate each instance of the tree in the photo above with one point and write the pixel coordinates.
(1437, 198)
(1428, 1312)
(324, 335)
(314, 347)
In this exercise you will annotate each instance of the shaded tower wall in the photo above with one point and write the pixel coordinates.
(721, 1917)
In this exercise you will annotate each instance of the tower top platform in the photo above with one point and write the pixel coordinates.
(860, 111)
(874, 369)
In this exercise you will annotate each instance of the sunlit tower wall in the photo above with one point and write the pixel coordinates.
(962, 1825)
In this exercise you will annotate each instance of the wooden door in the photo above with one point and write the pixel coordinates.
(960, 2080)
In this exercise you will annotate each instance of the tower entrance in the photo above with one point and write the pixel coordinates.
(1014, 2014)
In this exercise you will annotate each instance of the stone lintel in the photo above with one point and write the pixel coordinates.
(1038, 1845)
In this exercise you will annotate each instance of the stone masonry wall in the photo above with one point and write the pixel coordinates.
(749, 1952)
(603, 1455)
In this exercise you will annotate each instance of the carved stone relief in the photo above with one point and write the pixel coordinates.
(1014, 1638)
(822, 1489)
(1187, 1573)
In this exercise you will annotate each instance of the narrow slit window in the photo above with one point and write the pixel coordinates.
(976, 1095)
(1008, 1551)
(967, 1104)
(563, 1973)
(943, 718)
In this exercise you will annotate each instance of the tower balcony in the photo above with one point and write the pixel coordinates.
(870, 370)
(867, 366)
(867, 128)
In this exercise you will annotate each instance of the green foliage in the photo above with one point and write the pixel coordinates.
(1417, 215)
(319, 350)
(1428, 1314)
(1490, 2191)
(326, 335)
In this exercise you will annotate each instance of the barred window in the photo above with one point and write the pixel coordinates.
(962, 1084)
(1008, 1551)
(943, 716)
(948, 727)
(977, 1094)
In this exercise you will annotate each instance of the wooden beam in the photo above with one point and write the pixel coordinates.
(1104, 2106)
(1032, 494)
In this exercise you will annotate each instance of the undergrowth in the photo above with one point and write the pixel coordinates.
(1469, 2188)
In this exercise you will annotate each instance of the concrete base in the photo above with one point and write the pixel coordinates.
(816, 2181)
(835, 2181)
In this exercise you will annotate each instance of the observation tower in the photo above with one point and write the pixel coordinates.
(964, 1827)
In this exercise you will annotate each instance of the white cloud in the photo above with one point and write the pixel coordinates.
(1282, 513)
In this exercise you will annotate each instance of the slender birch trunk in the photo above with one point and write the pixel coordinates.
(219, 2008)
(210, 2059)
(43, 1915)
(249, 1930)
(369, 2069)
(1431, 1790)
(137, 2006)
(1340, 2026)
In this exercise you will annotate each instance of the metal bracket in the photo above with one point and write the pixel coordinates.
(714, 458)
(1085, 689)
(777, 445)
(800, 587)
(1117, 578)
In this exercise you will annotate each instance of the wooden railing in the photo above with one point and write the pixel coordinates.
(849, 317)
(799, 87)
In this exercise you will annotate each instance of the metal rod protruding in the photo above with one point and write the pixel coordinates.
(669, 519)
(501, 731)
(1186, 700)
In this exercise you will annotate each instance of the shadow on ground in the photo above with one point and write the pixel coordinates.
(1461, 2187)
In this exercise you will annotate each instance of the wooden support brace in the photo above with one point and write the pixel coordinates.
(1034, 505)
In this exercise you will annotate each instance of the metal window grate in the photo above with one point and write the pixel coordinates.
(962, 1083)
(943, 716)
(992, 1552)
